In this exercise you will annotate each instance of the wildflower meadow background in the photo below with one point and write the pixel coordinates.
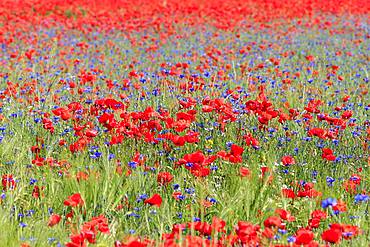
(184, 123)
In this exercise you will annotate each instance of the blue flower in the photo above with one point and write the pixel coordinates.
(330, 181)
(176, 186)
(196, 219)
(33, 181)
(214, 168)
(361, 198)
(22, 224)
(329, 202)
(132, 164)
(291, 239)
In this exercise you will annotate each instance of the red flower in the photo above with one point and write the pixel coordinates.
(285, 215)
(341, 206)
(314, 222)
(332, 236)
(272, 221)
(311, 193)
(319, 214)
(76, 241)
(304, 237)
(349, 231)
(202, 227)
(235, 154)
(218, 224)
(74, 200)
(197, 163)
(251, 141)
(328, 154)
(248, 233)
(36, 191)
(154, 200)
(346, 114)
(321, 133)
(54, 220)
(310, 58)
(164, 178)
(236, 150)
(91, 133)
(245, 172)
(8, 182)
(288, 160)
(288, 193)
(268, 233)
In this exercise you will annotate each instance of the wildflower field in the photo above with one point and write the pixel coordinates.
(184, 123)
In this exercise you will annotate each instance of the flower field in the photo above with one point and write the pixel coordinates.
(197, 123)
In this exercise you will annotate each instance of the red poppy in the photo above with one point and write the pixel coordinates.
(272, 221)
(248, 233)
(54, 220)
(164, 178)
(74, 200)
(77, 240)
(314, 222)
(8, 182)
(304, 236)
(287, 160)
(332, 236)
(347, 114)
(288, 193)
(155, 200)
(319, 214)
(268, 233)
(244, 172)
(218, 224)
(328, 154)
(285, 215)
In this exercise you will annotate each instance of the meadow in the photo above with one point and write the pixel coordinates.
(197, 123)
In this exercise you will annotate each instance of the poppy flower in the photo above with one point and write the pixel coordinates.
(8, 182)
(248, 234)
(54, 220)
(328, 154)
(36, 191)
(77, 240)
(74, 200)
(164, 178)
(287, 160)
(332, 236)
(155, 200)
(272, 221)
(304, 236)
(288, 193)
(347, 114)
(350, 231)
(244, 172)
(285, 215)
(268, 233)
(314, 222)
(218, 224)
(319, 214)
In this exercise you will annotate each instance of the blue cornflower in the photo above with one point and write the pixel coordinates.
(196, 219)
(330, 181)
(291, 239)
(22, 224)
(132, 164)
(361, 198)
(33, 181)
(329, 202)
